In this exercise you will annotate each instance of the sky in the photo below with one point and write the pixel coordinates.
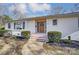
(33, 9)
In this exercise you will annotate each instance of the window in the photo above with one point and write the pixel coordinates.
(23, 25)
(17, 25)
(9, 25)
(14, 25)
(55, 22)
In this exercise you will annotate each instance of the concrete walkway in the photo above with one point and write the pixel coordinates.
(32, 47)
(39, 36)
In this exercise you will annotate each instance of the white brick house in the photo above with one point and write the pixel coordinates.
(65, 23)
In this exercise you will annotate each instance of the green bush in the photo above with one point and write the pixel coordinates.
(68, 41)
(26, 34)
(69, 37)
(2, 32)
(54, 36)
(2, 28)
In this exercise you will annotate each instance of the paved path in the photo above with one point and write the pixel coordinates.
(39, 36)
(32, 47)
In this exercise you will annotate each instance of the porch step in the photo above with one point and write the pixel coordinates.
(40, 37)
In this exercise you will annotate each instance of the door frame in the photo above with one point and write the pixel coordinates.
(36, 26)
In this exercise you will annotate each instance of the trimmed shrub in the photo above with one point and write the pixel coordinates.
(8, 34)
(26, 34)
(2, 28)
(66, 41)
(54, 36)
(69, 40)
(69, 37)
(2, 32)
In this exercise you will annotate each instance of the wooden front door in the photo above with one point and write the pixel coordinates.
(41, 27)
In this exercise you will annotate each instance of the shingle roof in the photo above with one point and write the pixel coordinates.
(73, 14)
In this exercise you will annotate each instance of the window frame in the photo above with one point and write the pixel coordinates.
(54, 22)
(9, 25)
(17, 25)
(24, 25)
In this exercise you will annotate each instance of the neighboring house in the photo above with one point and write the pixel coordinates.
(65, 23)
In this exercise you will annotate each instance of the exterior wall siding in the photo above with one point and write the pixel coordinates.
(11, 28)
(65, 25)
(30, 26)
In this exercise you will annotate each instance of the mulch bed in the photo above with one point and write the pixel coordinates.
(73, 44)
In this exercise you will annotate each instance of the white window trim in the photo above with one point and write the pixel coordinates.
(53, 22)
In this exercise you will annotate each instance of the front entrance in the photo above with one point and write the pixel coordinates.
(41, 26)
